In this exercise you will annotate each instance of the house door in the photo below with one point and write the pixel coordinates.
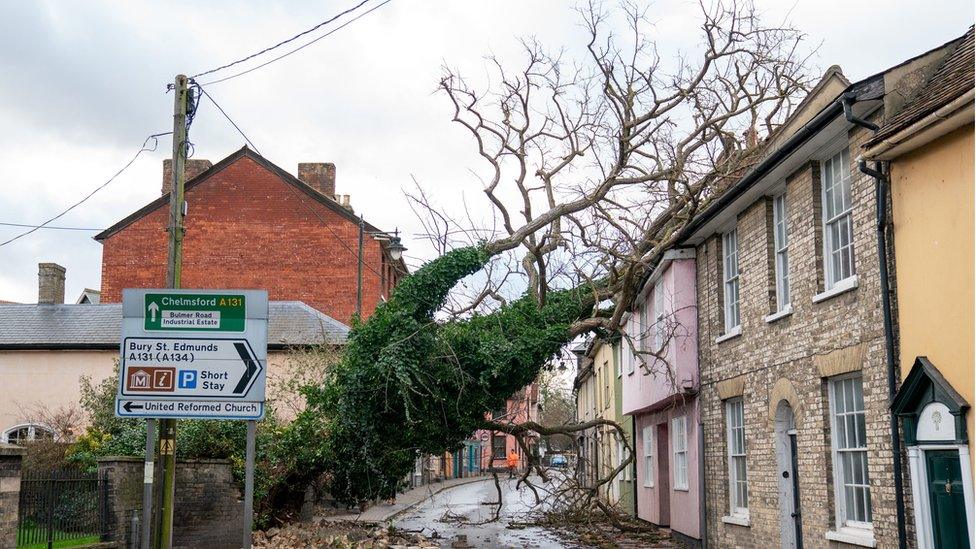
(663, 474)
(946, 499)
(789, 483)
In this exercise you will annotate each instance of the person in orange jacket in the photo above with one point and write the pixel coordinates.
(512, 461)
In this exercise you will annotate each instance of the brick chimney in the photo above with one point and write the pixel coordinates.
(50, 283)
(321, 176)
(194, 167)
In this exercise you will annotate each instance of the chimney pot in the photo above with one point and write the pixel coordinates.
(321, 176)
(194, 167)
(50, 283)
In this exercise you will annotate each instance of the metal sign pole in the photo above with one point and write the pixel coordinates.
(249, 483)
(147, 487)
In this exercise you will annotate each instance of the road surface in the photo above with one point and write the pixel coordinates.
(468, 501)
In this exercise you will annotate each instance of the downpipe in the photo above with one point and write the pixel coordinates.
(881, 194)
(881, 204)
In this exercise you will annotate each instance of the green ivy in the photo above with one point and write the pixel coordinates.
(407, 384)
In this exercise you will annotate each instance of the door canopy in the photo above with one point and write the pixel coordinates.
(931, 411)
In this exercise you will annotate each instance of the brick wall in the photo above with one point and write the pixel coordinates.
(10, 461)
(842, 333)
(246, 228)
(209, 509)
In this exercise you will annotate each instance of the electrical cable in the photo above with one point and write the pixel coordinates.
(236, 127)
(282, 43)
(89, 229)
(303, 46)
(155, 141)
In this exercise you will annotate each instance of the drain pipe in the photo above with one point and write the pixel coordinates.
(702, 511)
(881, 191)
(633, 476)
(881, 195)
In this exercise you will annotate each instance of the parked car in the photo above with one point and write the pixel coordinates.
(559, 461)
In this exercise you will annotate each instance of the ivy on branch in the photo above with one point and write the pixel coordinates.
(408, 384)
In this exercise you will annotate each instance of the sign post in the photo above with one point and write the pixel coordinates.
(194, 354)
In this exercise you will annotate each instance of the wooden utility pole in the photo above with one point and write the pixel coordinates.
(167, 431)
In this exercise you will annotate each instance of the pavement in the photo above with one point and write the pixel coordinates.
(459, 517)
(383, 512)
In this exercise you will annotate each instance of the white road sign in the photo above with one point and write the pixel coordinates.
(165, 372)
(195, 409)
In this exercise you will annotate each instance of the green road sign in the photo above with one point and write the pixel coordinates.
(194, 313)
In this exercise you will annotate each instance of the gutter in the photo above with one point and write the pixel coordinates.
(890, 147)
(881, 195)
(810, 129)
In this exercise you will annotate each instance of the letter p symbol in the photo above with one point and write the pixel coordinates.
(188, 379)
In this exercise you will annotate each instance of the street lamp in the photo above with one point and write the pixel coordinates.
(394, 247)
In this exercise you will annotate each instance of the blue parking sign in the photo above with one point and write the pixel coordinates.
(188, 379)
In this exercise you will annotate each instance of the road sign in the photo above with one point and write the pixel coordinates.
(165, 372)
(190, 409)
(188, 367)
(178, 311)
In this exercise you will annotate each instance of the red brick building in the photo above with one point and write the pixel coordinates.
(250, 224)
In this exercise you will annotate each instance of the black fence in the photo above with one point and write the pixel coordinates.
(60, 508)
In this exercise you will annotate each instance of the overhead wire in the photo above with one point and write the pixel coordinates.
(282, 43)
(303, 46)
(229, 119)
(89, 229)
(155, 142)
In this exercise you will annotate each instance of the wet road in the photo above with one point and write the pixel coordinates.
(468, 501)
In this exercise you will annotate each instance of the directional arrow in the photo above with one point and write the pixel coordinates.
(252, 368)
(129, 406)
(153, 309)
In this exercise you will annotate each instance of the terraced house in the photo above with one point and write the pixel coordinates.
(796, 344)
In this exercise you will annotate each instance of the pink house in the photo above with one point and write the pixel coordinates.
(660, 386)
(495, 447)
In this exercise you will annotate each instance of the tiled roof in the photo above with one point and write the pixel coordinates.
(99, 326)
(952, 79)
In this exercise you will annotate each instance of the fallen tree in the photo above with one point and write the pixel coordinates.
(593, 172)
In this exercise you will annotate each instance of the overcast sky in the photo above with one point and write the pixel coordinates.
(83, 85)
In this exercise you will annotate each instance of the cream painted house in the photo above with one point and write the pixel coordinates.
(46, 348)
(600, 448)
(928, 148)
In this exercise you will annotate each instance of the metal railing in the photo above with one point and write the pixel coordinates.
(61, 507)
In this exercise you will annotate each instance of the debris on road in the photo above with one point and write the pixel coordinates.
(339, 535)
(594, 530)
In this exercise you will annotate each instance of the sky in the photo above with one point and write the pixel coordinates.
(84, 84)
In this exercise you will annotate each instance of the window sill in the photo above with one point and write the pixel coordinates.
(680, 489)
(841, 287)
(647, 485)
(738, 520)
(785, 312)
(734, 332)
(853, 536)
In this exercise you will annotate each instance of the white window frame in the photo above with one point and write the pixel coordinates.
(606, 384)
(32, 429)
(624, 475)
(781, 244)
(730, 279)
(647, 440)
(659, 315)
(840, 481)
(679, 452)
(836, 165)
(735, 429)
(632, 347)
